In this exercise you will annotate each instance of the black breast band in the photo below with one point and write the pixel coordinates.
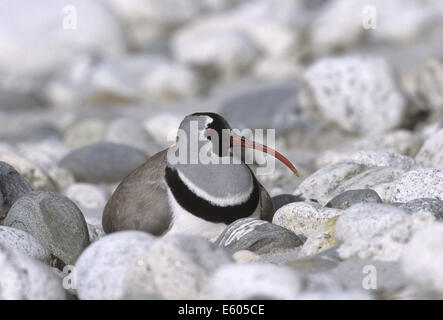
(205, 209)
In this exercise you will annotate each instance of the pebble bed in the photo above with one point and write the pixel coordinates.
(358, 111)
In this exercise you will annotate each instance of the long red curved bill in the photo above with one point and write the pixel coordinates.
(245, 143)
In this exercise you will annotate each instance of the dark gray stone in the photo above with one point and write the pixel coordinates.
(54, 220)
(103, 162)
(272, 107)
(427, 204)
(258, 236)
(12, 187)
(283, 199)
(348, 198)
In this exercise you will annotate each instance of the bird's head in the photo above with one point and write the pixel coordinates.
(211, 131)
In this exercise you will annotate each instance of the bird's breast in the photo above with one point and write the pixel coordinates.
(198, 199)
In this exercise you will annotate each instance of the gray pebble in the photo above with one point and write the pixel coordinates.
(101, 270)
(178, 267)
(23, 278)
(132, 133)
(54, 220)
(422, 261)
(19, 240)
(348, 198)
(434, 206)
(103, 162)
(255, 281)
(283, 199)
(258, 236)
(12, 187)
(261, 108)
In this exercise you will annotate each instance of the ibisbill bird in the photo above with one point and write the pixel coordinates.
(178, 192)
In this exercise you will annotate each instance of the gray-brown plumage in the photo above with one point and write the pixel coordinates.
(140, 201)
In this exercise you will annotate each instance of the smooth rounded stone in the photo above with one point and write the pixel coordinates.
(85, 132)
(418, 183)
(357, 93)
(320, 240)
(176, 267)
(17, 239)
(24, 278)
(376, 231)
(270, 26)
(423, 257)
(182, 265)
(283, 199)
(103, 162)
(401, 141)
(350, 276)
(276, 68)
(325, 37)
(358, 171)
(262, 108)
(91, 199)
(99, 34)
(428, 84)
(52, 219)
(37, 178)
(44, 154)
(87, 195)
(134, 78)
(245, 256)
(435, 206)
(376, 178)
(225, 53)
(157, 83)
(143, 21)
(101, 269)
(163, 127)
(254, 281)
(303, 218)
(431, 154)
(62, 178)
(332, 156)
(366, 219)
(12, 187)
(68, 88)
(386, 149)
(348, 198)
(322, 184)
(28, 128)
(381, 158)
(258, 236)
(416, 18)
